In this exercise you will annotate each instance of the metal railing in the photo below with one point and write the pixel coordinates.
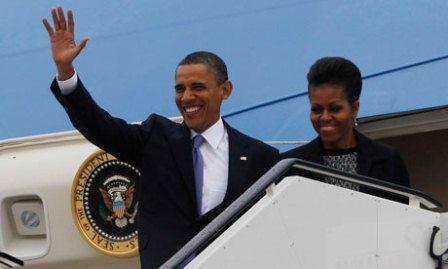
(275, 174)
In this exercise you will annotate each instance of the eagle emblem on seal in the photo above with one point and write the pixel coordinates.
(105, 204)
(118, 200)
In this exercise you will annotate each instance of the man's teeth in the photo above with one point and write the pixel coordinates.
(192, 109)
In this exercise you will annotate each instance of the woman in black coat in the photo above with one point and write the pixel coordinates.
(334, 87)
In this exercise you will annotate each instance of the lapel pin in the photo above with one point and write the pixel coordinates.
(243, 158)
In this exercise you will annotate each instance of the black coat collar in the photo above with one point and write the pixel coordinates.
(367, 153)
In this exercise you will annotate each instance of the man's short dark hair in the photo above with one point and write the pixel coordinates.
(336, 71)
(216, 64)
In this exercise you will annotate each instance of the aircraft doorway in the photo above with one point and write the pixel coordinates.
(422, 138)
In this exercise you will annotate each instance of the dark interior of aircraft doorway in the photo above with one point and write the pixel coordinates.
(422, 138)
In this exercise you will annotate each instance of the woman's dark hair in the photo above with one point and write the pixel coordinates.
(336, 71)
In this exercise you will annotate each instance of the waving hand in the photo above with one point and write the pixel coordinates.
(63, 45)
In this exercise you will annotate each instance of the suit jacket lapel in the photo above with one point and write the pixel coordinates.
(180, 144)
(237, 165)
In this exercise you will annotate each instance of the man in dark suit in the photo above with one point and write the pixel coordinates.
(190, 171)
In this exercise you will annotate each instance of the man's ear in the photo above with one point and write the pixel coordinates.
(227, 88)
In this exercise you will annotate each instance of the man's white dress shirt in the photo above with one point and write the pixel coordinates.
(215, 153)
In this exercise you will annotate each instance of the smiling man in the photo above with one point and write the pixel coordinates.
(201, 86)
(189, 172)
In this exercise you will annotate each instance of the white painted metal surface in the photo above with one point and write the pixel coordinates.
(42, 168)
(308, 224)
(301, 223)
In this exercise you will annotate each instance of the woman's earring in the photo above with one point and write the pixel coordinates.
(355, 122)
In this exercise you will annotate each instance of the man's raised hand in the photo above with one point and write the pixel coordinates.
(63, 45)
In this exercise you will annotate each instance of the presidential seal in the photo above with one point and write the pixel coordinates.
(105, 205)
